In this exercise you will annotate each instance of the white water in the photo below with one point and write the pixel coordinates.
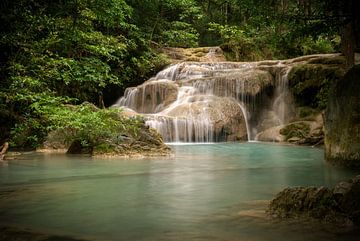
(282, 97)
(186, 101)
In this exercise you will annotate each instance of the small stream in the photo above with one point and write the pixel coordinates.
(205, 192)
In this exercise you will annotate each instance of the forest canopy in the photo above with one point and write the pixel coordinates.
(67, 51)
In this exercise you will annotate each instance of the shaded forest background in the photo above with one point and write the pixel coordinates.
(60, 52)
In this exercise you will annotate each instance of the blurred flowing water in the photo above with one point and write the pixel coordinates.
(205, 192)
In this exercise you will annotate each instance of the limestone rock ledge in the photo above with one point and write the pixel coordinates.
(342, 121)
(339, 206)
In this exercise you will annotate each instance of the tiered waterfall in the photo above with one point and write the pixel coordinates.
(214, 101)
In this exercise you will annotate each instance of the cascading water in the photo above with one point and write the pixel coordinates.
(283, 97)
(190, 102)
(214, 101)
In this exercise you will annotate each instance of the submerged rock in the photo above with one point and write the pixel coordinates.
(340, 205)
(342, 121)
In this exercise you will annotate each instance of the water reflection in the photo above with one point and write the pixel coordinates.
(205, 192)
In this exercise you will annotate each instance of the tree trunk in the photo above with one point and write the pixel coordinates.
(4, 149)
(348, 44)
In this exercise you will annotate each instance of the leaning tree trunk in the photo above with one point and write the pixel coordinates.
(4, 149)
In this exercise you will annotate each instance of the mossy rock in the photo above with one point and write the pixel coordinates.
(342, 121)
(339, 206)
(296, 129)
(104, 132)
(311, 83)
(339, 60)
(104, 148)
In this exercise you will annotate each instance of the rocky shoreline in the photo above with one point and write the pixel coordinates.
(339, 206)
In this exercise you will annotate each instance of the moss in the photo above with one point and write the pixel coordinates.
(342, 122)
(104, 148)
(340, 60)
(297, 129)
(311, 83)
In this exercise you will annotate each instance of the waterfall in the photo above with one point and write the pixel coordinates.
(283, 97)
(213, 101)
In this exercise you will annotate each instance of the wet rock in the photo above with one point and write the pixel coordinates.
(304, 132)
(150, 97)
(347, 195)
(271, 135)
(204, 118)
(342, 121)
(340, 206)
(135, 140)
(310, 82)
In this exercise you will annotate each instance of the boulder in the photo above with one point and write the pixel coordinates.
(271, 134)
(298, 201)
(224, 115)
(202, 118)
(131, 138)
(302, 132)
(347, 196)
(342, 121)
(340, 205)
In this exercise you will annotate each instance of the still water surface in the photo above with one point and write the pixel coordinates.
(204, 192)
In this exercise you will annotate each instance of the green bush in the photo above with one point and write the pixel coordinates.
(320, 45)
(92, 126)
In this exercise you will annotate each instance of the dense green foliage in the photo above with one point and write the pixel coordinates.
(84, 122)
(255, 29)
(54, 50)
(60, 52)
(92, 127)
(168, 22)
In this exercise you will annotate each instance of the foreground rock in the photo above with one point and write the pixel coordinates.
(342, 122)
(339, 206)
(8, 233)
